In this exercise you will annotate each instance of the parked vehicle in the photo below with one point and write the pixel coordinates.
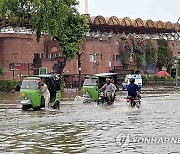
(133, 102)
(30, 94)
(92, 84)
(126, 82)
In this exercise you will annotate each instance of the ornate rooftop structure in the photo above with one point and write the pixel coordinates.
(126, 25)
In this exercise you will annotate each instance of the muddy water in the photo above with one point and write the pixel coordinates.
(88, 128)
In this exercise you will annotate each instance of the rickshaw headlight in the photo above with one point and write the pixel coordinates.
(22, 94)
(26, 98)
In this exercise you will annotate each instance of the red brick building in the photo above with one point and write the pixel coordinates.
(100, 50)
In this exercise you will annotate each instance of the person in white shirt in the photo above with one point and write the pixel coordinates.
(109, 89)
(45, 93)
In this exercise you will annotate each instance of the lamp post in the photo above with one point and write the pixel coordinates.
(176, 65)
(79, 68)
(177, 28)
(176, 61)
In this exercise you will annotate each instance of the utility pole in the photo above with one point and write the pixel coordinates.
(79, 68)
(176, 61)
(176, 65)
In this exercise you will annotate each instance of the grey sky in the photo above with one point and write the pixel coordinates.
(165, 10)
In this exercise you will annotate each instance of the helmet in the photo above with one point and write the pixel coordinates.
(132, 80)
(108, 80)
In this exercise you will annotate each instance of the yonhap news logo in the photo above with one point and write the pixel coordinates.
(124, 139)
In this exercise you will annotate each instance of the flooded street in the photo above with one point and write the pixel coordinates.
(88, 128)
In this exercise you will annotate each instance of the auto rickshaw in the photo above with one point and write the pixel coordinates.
(30, 94)
(92, 84)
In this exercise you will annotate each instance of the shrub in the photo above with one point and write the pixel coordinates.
(156, 77)
(7, 85)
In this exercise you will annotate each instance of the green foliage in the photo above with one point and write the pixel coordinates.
(156, 77)
(139, 60)
(165, 56)
(7, 85)
(178, 61)
(57, 18)
(151, 54)
(124, 57)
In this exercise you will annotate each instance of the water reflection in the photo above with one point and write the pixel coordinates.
(88, 128)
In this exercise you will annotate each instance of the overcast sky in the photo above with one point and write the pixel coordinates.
(165, 10)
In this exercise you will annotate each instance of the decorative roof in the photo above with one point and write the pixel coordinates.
(126, 24)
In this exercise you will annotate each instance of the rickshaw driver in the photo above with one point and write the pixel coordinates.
(45, 93)
(109, 89)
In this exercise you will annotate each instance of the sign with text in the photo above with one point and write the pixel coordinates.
(42, 71)
(20, 66)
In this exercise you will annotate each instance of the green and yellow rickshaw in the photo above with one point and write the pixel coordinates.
(30, 93)
(93, 83)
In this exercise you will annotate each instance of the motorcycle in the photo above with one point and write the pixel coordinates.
(104, 98)
(133, 102)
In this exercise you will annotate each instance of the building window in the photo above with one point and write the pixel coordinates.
(92, 58)
(117, 58)
(101, 56)
(42, 55)
(113, 57)
(36, 56)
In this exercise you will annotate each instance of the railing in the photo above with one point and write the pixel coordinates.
(157, 83)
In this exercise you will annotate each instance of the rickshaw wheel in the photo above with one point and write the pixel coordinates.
(35, 108)
(24, 107)
(56, 105)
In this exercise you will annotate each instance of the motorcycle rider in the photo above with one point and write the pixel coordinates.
(109, 90)
(133, 89)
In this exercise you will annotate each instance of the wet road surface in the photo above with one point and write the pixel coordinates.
(88, 128)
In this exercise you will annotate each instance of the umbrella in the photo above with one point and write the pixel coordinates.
(163, 73)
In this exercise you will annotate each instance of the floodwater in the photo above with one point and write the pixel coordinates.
(88, 128)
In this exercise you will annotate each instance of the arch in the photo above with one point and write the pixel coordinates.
(159, 24)
(53, 49)
(168, 25)
(99, 20)
(89, 21)
(176, 26)
(138, 22)
(126, 22)
(149, 23)
(113, 21)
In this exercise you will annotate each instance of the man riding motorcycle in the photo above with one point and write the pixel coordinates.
(133, 90)
(109, 90)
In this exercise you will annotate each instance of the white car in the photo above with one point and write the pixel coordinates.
(126, 82)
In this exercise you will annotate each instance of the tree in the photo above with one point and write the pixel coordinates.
(151, 55)
(124, 53)
(165, 56)
(57, 18)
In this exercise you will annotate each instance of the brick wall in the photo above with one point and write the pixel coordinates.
(20, 48)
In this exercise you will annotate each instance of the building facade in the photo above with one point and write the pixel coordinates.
(21, 55)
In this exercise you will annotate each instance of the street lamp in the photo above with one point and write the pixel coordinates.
(176, 61)
(79, 68)
(176, 66)
(178, 28)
